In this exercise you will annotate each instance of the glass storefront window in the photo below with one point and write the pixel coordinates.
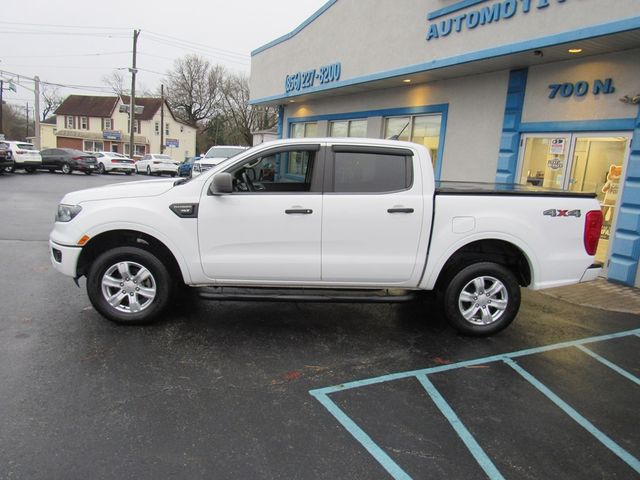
(91, 146)
(422, 129)
(339, 129)
(348, 128)
(301, 130)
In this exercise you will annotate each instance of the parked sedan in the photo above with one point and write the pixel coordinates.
(68, 160)
(157, 164)
(6, 162)
(114, 162)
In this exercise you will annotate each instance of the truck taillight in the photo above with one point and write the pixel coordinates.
(592, 227)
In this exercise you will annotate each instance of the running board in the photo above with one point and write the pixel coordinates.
(227, 294)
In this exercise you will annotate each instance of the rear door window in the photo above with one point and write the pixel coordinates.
(371, 172)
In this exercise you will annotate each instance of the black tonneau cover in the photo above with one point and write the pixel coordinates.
(507, 189)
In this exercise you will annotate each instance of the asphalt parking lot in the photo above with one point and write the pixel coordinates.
(284, 391)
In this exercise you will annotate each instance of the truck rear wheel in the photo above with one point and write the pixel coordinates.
(481, 299)
(129, 285)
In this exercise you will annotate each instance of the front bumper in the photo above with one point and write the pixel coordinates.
(64, 258)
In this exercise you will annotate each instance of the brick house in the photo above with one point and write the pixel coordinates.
(95, 123)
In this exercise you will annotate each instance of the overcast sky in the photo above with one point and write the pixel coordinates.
(76, 42)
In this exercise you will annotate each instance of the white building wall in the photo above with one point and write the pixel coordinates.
(622, 67)
(474, 124)
(381, 35)
(185, 135)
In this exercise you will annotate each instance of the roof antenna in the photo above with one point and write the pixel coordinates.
(397, 136)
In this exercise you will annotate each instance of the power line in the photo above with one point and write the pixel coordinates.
(73, 34)
(62, 26)
(69, 55)
(202, 45)
(201, 51)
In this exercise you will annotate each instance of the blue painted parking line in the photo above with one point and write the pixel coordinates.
(365, 440)
(472, 363)
(474, 447)
(322, 394)
(611, 365)
(629, 459)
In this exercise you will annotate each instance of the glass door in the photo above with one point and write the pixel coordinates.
(597, 166)
(579, 162)
(544, 160)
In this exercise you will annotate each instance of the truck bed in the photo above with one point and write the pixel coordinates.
(507, 189)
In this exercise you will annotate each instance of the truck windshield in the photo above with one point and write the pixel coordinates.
(223, 152)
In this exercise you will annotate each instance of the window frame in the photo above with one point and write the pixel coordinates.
(93, 144)
(316, 186)
(329, 171)
(349, 123)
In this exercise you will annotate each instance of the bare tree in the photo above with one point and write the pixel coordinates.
(194, 89)
(117, 82)
(51, 100)
(14, 122)
(242, 117)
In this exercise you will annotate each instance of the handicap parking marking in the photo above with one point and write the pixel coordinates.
(322, 395)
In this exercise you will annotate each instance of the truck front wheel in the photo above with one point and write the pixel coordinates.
(129, 285)
(481, 299)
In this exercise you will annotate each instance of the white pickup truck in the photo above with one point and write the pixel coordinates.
(325, 219)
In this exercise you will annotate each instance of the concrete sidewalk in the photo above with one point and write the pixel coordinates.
(600, 294)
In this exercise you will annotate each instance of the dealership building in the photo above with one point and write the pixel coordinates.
(539, 92)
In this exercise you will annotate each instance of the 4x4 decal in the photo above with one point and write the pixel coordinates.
(562, 213)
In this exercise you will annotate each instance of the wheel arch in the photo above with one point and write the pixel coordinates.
(502, 252)
(125, 237)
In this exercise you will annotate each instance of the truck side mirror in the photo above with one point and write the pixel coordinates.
(222, 184)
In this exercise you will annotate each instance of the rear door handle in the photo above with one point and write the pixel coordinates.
(400, 210)
(299, 211)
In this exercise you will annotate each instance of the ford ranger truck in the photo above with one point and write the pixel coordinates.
(327, 219)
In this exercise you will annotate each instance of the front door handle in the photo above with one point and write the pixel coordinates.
(299, 211)
(400, 210)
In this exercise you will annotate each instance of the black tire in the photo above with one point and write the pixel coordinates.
(159, 281)
(52, 170)
(486, 314)
(101, 169)
(66, 169)
(10, 169)
(128, 172)
(30, 169)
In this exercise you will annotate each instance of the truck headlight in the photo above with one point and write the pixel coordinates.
(66, 213)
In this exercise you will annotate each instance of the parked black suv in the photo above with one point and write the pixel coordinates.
(67, 160)
(6, 160)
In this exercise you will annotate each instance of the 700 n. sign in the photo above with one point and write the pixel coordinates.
(581, 88)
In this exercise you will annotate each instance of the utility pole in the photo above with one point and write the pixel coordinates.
(162, 119)
(27, 133)
(132, 104)
(36, 80)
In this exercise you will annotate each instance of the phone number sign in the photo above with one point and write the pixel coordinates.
(300, 81)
